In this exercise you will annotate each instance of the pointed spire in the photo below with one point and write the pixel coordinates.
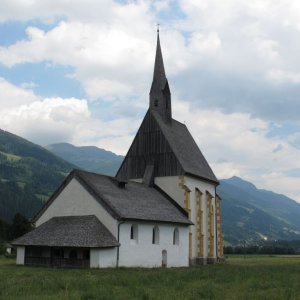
(160, 96)
(159, 69)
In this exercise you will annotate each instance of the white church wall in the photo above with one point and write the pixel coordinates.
(74, 200)
(20, 255)
(142, 253)
(103, 257)
(108, 257)
(172, 185)
(95, 258)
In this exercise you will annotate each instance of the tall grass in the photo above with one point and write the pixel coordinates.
(247, 277)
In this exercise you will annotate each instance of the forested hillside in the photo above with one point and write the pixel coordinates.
(251, 215)
(89, 158)
(28, 175)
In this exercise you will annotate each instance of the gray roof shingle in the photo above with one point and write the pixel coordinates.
(134, 201)
(122, 200)
(69, 231)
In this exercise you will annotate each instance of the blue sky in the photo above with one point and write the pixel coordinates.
(81, 73)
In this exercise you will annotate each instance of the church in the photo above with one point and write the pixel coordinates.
(160, 210)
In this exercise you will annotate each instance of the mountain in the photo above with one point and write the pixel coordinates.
(89, 158)
(29, 174)
(251, 214)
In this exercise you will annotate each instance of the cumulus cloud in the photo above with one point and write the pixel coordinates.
(239, 56)
(256, 59)
(51, 120)
(106, 60)
(282, 76)
(12, 96)
(233, 64)
(238, 145)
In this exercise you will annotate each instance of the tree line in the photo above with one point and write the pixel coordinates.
(10, 231)
(271, 247)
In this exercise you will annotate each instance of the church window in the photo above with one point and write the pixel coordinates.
(155, 102)
(176, 237)
(134, 232)
(155, 235)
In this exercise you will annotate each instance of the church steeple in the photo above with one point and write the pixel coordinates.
(160, 96)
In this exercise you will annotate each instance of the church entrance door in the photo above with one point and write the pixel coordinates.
(164, 258)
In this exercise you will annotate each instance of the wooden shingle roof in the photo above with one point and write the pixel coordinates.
(130, 200)
(70, 231)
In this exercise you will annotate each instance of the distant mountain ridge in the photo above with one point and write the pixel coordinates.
(251, 214)
(89, 158)
(28, 175)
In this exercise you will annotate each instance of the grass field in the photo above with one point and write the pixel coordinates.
(249, 277)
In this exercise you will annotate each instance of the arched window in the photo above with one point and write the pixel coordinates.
(156, 102)
(176, 237)
(155, 235)
(134, 232)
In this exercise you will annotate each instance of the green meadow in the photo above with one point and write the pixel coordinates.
(240, 277)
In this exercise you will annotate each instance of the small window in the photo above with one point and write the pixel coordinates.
(155, 102)
(155, 235)
(134, 232)
(176, 237)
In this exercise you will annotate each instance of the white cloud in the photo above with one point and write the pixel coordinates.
(106, 60)
(238, 145)
(12, 96)
(276, 181)
(47, 120)
(232, 50)
(108, 89)
(50, 120)
(204, 44)
(281, 76)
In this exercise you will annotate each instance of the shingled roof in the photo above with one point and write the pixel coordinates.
(185, 148)
(130, 200)
(71, 231)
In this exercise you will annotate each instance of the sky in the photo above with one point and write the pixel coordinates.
(80, 72)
